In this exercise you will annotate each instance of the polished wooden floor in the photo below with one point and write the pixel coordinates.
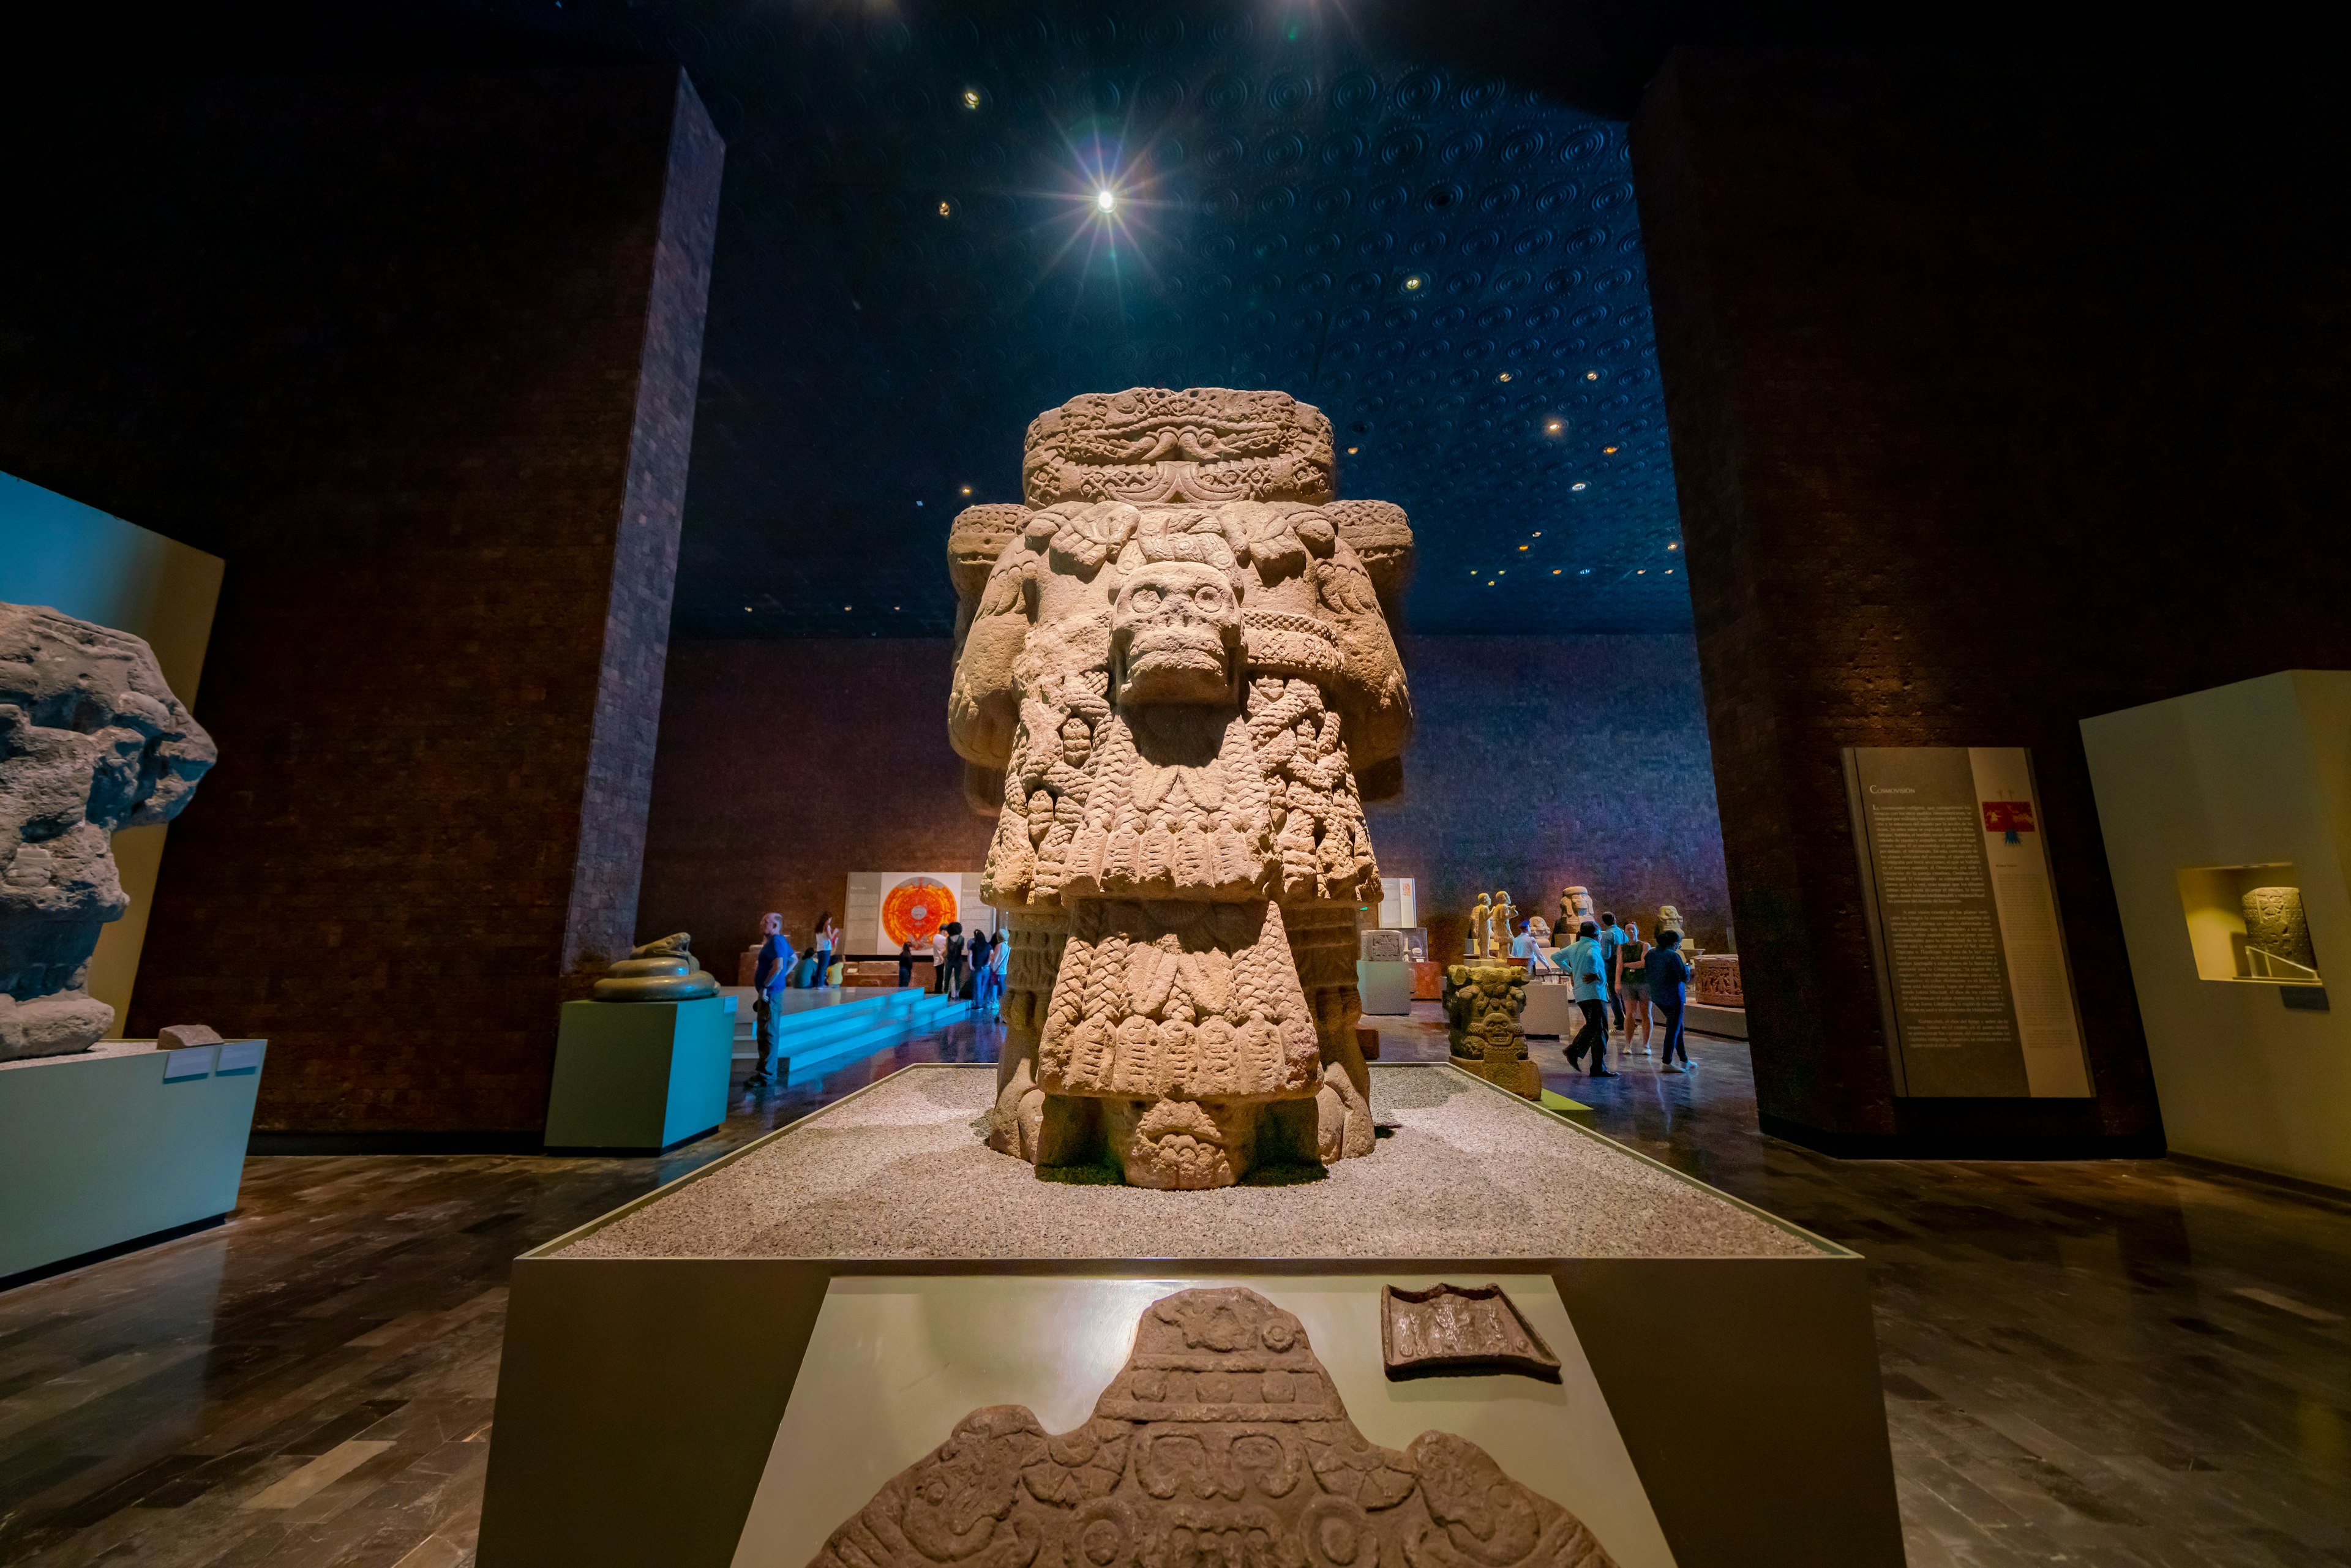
(2122, 1363)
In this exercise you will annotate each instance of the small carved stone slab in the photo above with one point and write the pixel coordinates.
(1456, 1331)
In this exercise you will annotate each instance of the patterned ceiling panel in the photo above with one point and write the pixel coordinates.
(938, 223)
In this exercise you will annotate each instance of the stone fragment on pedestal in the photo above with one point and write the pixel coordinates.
(1483, 1005)
(92, 740)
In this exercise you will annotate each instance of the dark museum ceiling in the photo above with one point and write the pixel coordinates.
(911, 264)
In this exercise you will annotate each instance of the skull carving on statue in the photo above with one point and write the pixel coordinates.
(1175, 686)
(90, 740)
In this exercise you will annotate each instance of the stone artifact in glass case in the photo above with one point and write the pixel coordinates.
(1714, 981)
(1383, 947)
(2276, 928)
(661, 971)
(92, 740)
(1176, 679)
(1460, 1331)
(1484, 1004)
(1222, 1440)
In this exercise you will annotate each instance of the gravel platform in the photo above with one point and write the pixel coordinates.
(1461, 1171)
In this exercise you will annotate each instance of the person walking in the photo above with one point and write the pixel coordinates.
(1670, 974)
(1586, 972)
(997, 962)
(905, 963)
(767, 979)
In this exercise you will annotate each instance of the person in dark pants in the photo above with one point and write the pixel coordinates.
(1611, 942)
(1670, 974)
(1585, 964)
(774, 967)
(905, 964)
(954, 986)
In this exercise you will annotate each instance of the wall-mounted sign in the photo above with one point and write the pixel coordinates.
(1972, 979)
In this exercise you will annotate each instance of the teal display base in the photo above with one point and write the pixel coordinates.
(116, 1145)
(639, 1077)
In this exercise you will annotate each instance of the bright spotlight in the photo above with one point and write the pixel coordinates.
(1105, 200)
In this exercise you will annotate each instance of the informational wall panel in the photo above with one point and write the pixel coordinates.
(1964, 934)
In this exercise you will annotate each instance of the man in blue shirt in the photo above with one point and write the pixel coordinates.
(774, 968)
(1586, 971)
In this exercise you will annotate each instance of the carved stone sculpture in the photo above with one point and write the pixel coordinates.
(1483, 1005)
(1481, 921)
(1505, 919)
(661, 971)
(1175, 678)
(1668, 919)
(1460, 1331)
(1220, 1441)
(1714, 981)
(90, 740)
(1575, 907)
(1383, 947)
(2275, 923)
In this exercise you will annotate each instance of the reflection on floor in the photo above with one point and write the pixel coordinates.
(2126, 1364)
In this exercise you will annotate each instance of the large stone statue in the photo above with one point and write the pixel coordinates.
(90, 740)
(1174, 675)
(1575, 907)
(1481, 925)
(1222, 1440)
(1499, 921)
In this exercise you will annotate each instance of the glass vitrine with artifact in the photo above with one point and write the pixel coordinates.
(2246, 924)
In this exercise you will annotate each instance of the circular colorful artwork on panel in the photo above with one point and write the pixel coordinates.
(914, 908)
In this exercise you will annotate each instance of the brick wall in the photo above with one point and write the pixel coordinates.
(2002, 393)
(786, 765)
(417, 357)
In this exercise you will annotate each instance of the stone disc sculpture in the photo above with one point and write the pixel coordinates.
(661, 971)
(1220, 1441)
(92, 740)
(1175, 686)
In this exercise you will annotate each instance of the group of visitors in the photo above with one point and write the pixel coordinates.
(1618, 980)
(971, 972)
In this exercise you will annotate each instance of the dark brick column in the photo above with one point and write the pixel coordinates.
(418, 356)
(2001, 395)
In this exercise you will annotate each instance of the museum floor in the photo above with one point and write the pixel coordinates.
(2126, 1364)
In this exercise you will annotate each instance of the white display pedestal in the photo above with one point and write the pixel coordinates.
(119, 1143)
(1729, 1023)
(1387, 988)
(1550, 1009)
(650, 1405)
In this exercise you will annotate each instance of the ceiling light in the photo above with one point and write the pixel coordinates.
(1538, 533)
(1554, 572)
(1607, 449)
(1522, 547)
(1591, 375)
(1503, 377)
(966, 489)
(1585, 572)
(971, 98)
(1553, 426)
(1105, 200)
(844, 607)
(1669, 571)
(1351, 451)
(1413, 282)
(946, 211)
(1673, 546)
(1643, 572)
(1577, 486)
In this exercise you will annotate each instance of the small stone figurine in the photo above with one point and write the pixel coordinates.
(663, 971)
